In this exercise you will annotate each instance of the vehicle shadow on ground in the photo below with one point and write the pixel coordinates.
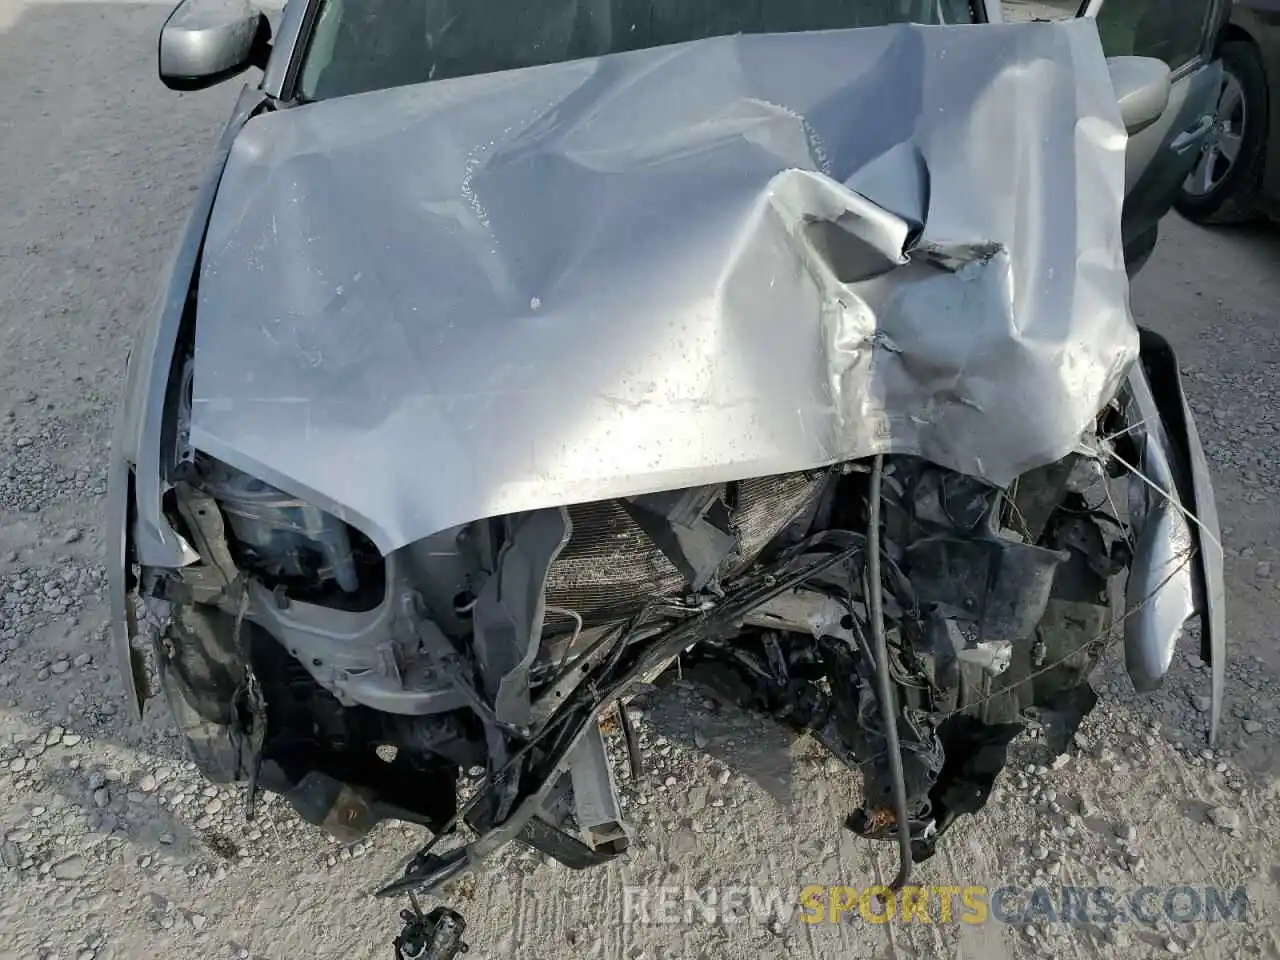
(751, 745)
(1251, 246)
(1260, 237)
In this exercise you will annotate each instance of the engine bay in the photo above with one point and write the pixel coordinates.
(362, 687)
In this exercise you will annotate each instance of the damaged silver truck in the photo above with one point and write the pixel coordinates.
(516, 352)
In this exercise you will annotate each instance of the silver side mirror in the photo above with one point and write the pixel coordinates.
(1142, 86)
(207, 41)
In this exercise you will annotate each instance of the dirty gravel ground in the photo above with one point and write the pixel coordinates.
(111, 847)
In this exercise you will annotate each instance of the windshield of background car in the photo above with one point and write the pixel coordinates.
(362, 45)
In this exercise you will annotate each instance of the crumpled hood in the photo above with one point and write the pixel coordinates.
(685, 265)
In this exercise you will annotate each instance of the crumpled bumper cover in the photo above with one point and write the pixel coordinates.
(1177, 569)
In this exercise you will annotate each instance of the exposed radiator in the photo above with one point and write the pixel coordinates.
(610, 567)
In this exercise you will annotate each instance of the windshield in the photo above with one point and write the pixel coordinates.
(361, 45)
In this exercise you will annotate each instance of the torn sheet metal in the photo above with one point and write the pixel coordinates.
(1163, 591)
(666, 268)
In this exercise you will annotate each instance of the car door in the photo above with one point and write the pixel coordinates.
(1182, 33)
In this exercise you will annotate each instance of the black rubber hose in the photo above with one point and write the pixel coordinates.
(884, 682)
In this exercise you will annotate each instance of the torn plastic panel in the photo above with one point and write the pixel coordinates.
(508, 614)
(1177, 567)
(669, 268)
(986, 621)
(1161, 589)
(979, 607)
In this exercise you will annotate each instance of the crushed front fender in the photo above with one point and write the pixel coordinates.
(138, 532)
(1177, 567)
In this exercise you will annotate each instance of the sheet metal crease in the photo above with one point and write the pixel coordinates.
(667, 268)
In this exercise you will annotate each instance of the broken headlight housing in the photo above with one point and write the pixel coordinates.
(291, 545)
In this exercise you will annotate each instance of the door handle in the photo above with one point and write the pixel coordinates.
(1190, 137)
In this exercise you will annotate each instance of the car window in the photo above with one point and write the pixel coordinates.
(1170, 30)
(361, 45)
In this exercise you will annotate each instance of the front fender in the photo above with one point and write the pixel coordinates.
(137, 530)
(1177, 568)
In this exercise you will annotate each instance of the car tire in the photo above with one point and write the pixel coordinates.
(1234, 198)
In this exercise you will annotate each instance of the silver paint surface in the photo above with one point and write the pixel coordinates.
(686, 265)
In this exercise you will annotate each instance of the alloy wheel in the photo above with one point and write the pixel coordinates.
(1222, 145)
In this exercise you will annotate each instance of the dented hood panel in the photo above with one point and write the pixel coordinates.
(686, 265)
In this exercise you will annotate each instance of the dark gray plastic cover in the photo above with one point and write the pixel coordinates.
(679, 266)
